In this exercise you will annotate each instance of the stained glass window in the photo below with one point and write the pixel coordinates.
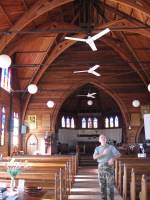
(95, 122)
(106, 122)
(72, 123)
(15, 129)
(6, 79)
(63, 122)
(116, 121)
(89, 122)
(68, 122)
(3, 120)
(83, 123)
(111, 121)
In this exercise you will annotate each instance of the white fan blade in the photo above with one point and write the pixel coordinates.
(91, 96)
(91, 43)
(93, 93)
(95, 73)
(76, 39)
(80, 71)
(81, 95)
(100, 34)
(93, 68)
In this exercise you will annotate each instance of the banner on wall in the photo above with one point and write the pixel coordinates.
(147, 126)
(32, 121)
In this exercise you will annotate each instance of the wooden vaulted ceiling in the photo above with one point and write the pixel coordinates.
(33, 32)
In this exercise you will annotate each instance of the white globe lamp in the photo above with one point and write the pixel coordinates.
(32, 88)
(148, 87)
(90, 102)
(136, 103)
(50, 104)
(5, 61)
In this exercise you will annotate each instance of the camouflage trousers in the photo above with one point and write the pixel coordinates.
(106, 182)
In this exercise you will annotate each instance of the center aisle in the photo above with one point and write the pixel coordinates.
(86, 185)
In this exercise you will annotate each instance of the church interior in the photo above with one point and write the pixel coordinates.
(71, 70)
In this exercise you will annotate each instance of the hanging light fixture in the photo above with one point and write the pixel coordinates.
(136, 103)
(32, 88)
(129, 127)
(50, 104)
(90, 102)
(148, 87)
(5, 61)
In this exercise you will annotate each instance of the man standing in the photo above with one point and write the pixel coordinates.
(105, 155)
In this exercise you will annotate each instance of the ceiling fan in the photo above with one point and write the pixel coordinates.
(91, 70)
(90, 40)
(89, 95)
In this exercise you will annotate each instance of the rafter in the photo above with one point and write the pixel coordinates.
(135, 6)
(38, 9)
(121, 14)
(6, 16)
(24, 4)
(135, 56)
(63, 46)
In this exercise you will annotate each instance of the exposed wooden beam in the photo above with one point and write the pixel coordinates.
(24, 4)
(135, 56)
(131, 4)
(36, 10)
(6, 16)
(64, 45)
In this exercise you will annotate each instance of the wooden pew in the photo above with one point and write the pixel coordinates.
(122, 158)
(70, 162)
(127, 175)
(73, 159)
(145, 187)
(36, 164)
(49, 182)
(119, 171)
(68, 165)
(135, 184)
(49, 167)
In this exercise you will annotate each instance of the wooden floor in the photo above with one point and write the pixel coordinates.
(86, 185)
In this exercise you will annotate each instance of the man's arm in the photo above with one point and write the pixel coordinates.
(99, 155)
(115, 156)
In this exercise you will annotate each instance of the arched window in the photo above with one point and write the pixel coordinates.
(68, 122)
(15, 129)
(6, 79)
(95, 122)
(106, 122)
(116, 121)
(89, 122)
(83, 122)
(63, 125)
(3, 120)
(111, 121)
(72, 123)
